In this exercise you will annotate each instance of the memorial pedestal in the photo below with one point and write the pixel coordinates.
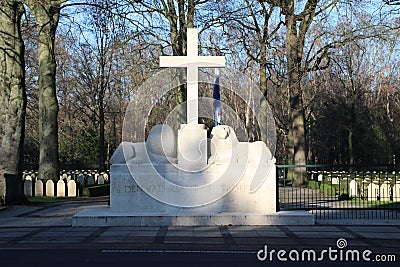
(236, 187)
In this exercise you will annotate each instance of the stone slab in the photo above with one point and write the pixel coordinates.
(102, 216)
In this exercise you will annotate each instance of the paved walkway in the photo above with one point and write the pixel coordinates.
(48, 227)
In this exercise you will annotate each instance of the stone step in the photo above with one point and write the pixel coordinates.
(104, 217)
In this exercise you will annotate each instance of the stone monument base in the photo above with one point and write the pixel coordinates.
(102, 216)
(150, 187)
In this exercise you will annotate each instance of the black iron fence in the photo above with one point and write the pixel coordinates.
(341, 191)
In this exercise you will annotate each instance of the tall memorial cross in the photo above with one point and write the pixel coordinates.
(192, 62)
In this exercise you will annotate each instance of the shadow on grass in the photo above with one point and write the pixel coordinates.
(44, 199)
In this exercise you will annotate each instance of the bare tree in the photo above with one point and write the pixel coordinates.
(97, 64)
(167, 21)
(47, 15)
(252, 26)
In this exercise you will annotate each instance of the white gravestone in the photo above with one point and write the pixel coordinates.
(61, 188)
(50, 188)
(384, 191)
(39, 188)
(396, 192)
(335, 180)
(105, 175)
(100, 179)
(71, 188)
(373, 191)
(353, 188)
(28, 188)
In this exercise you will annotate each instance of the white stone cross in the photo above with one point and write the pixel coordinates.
(192, 62)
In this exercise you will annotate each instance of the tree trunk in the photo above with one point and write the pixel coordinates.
(179, 20)
(249, 125)
(102, 149)
(350, 144)
(103, 82)
(12, 102)
(263, 87)
(296, 135)
(263, 69)
(47, 15)
(352, 119)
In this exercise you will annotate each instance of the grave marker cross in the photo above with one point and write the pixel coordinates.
(192, 62)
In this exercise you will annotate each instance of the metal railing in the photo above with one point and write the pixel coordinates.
(340, 191)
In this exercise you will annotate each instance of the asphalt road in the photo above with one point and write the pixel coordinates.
(100, 258)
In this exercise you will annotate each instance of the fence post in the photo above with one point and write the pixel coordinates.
(277, 187)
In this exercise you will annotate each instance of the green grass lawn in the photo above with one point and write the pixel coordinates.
(50, 199)
(87, 191)
(375, 203)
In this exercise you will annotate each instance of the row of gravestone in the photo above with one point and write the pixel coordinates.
(50, 189)
(346, 173)
(90, 180)
(29, 172)
(375, 190)
(383, 192)
(84, 178)
(337, 178)
(336, 181)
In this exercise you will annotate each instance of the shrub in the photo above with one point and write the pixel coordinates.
(327, 189)
(344, 196)
(313, 185)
